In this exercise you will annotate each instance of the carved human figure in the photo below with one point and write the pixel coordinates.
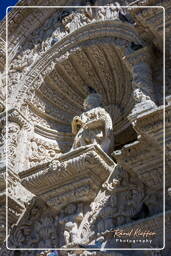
(111, 11)
(139, 96)
(94, 126)
(70, 219)
(71, 233)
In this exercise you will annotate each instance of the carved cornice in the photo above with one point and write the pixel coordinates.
(90, 165)
(151, 124)
(139, 157)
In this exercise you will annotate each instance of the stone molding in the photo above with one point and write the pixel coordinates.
(88, 164)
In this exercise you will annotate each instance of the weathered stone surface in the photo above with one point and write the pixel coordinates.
(64, 189)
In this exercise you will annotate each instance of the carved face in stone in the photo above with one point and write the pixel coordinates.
(138, 95)
(93, 100)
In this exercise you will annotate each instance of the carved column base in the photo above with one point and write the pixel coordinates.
(73, 177)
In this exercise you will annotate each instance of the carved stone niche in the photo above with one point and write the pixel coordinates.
(142, 84)
(73, 177)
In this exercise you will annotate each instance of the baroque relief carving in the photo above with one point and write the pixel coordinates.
(77, 163)
(120, 200)
(94, 126)
(42, 151)
(36, 229)
(87, 194)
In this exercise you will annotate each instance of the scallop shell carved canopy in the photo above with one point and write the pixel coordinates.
(80, 60)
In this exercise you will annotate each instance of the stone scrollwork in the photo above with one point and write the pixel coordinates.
(102, 198)
(66, 169)
(115, 178)
(18, 131)
(52, 31)
(75, 20)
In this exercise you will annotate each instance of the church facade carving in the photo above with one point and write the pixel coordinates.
(81, 133)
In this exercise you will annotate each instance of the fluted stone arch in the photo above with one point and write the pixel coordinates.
(108, 64)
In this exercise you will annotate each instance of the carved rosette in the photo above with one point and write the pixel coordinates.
(74, 176)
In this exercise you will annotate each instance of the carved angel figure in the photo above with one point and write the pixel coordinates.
(94, 126)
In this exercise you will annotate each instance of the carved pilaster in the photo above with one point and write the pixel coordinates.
(19, 130)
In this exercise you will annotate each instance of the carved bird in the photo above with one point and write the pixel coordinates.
(135, 46)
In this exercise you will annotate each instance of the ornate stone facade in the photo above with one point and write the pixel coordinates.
(82, 144)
